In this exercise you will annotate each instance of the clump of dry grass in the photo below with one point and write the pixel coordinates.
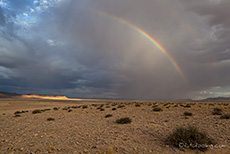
(225, 116)
(157, 109)
(187, 106)
(108, 115)
(17, 115)
(36, 111)
(125, 120)
(50, 119)
(121, 106)
(187, 113)
(190, 137)
(19, 112)
(45, 110)
(217, 111)
(84, 106)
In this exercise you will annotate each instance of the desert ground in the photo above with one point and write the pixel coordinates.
(81, 126)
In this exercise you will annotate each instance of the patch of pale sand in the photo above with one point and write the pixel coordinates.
(88, 131)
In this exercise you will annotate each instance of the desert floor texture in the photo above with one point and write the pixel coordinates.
(81, 126)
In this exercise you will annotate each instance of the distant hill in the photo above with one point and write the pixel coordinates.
(217, 99)
(7, 94)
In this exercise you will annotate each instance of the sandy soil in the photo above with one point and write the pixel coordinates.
(78, 130)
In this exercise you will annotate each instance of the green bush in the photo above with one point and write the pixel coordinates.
(190, 137)
(124, 120)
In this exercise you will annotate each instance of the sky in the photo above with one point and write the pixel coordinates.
(126, 49)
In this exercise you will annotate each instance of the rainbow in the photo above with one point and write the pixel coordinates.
(146, 35)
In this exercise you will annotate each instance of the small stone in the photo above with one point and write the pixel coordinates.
(31, 145)
(110, 150)
(85, 151)
(51, 148)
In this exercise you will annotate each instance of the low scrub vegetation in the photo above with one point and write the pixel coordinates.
(217, 111)
(157, 109)
(108, 115)
(121, 106)
(36, 111)
(187, 106)
(55, 108)
(187, 113)
(190, 137)
(17, 115)
(19, 112)
(225, 116)
(124, 120)
(50, 119)
(84, 106)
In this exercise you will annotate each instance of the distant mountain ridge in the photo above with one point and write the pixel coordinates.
(217, 99)
(4, 94)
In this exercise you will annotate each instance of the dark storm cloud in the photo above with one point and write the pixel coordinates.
(2, 18)
(71, 49)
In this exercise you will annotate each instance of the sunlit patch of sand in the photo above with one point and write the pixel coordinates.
(50, 97)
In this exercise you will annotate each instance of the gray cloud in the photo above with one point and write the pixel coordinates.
(2, 18)
(74, 50)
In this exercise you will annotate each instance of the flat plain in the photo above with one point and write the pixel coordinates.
(49, 126)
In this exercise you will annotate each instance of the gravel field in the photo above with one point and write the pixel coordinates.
(81, 127)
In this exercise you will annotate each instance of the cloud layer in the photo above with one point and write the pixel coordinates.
(67, 47)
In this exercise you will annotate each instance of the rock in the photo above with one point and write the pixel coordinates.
(51, 149)
(85, 151)
(110, 150)
(31, 145)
